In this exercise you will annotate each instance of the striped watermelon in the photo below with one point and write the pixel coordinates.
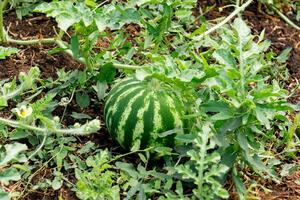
(136, 112)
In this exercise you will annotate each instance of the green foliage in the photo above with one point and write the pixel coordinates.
(10, 170)
(29, 127)
(24, 7)
(235, 96)
(100, 182)
(279, 3)
(245, 104)
(232, 87)
(106, 179)
(204, 168)
(92, 23)
(68, 14)
(120, 180)
(82, 99)
(10, 90)
(7, 51)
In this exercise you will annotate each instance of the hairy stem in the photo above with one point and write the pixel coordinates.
(226, 20)
(237, 4)
(125, 66)
(39, 147)
(64, 46)
(17, 124)
(59, 42)
(2, 33)
(285, 18)
(2, 37)
(68, 51)
(13, 93)
(202, 155)
(129, 153)
(31, 42)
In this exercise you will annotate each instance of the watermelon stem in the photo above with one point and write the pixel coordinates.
(64, 46)
(126, 66)
(225, 21)
(129, 153)
(90, 127)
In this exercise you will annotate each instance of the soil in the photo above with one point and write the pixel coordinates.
(39, 26)
(288, 189)
(31, 28)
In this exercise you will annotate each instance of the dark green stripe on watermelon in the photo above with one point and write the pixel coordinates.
(148, 124)
(132, 121)
(116, 91)
(116, 97)
(121, 106)
(167, 120)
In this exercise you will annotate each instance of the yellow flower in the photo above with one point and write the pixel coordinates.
(24, 111)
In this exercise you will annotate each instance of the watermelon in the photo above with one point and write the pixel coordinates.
(137, 111)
